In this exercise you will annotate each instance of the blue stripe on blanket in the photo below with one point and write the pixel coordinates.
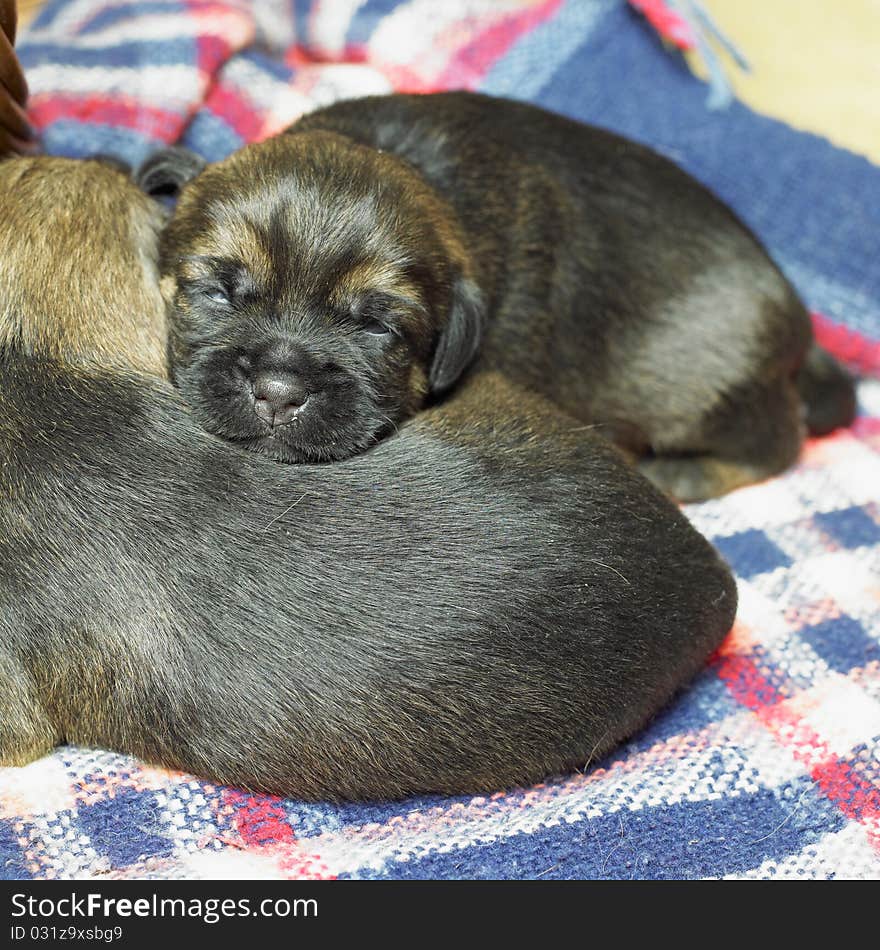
(73, 139)
(12, 863)
(776, 178)
(129, 55)
(115, 13)
(367, 18)
(211, 136)
(644, 843)
(537, 55)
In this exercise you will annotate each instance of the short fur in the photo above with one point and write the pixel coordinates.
(613, 283)
(333, 299)
(485, 598)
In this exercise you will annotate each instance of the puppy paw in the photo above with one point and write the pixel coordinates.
(697, 478)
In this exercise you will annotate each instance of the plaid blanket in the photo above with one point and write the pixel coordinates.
(769, 765)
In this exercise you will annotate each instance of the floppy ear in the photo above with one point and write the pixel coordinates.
(461, 337)
(166, 172)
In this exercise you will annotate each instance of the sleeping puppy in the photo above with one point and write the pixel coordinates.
(325, 284)
(309, 278)
(485, 598)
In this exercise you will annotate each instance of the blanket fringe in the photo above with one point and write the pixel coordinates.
(688, 26)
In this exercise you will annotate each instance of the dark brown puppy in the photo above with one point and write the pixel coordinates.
(485, 598)
(310, 323)
(325, 282)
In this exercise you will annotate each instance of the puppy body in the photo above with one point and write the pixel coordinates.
(615, 284)
(485, 598)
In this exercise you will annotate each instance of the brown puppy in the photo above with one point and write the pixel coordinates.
(114, 318)
(78, 287)
(324, 283)
(309, 323)
(485, 598)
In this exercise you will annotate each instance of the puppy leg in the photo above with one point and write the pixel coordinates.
(26, 732)
(690, 478)
(827, 390)
(732, 448)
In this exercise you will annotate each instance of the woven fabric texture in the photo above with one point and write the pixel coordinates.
(769, 765)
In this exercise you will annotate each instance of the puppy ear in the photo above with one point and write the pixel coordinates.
(166, 172)
(461, 337)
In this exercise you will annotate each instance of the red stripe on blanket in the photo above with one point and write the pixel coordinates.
(745, 682)
(123, 111)
(856, 797)
(212, 52)
(855, 349)
(260, 820)
(298, 56)
(237, 111)
(472, 61)
(467, 64)
(867, 429)
(668, 24)
(262, 823)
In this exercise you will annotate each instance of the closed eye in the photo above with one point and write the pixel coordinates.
(217, 295)
(220, 281)
(376, 328)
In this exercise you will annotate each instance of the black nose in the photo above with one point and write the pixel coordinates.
(278, 396)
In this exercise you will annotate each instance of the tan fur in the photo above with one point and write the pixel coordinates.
(26, 731)
(374, 275)
(233, 235)
(85, 288)
(82, 289)
(234, 238)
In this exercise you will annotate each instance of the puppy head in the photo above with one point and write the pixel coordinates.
(78, 253)
(318, 292)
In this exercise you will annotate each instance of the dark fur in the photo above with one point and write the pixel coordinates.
(485, 598)
(330, 302)
(615, 285)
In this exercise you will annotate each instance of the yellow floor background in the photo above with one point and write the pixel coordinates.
(815, 63)
(27, 9)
